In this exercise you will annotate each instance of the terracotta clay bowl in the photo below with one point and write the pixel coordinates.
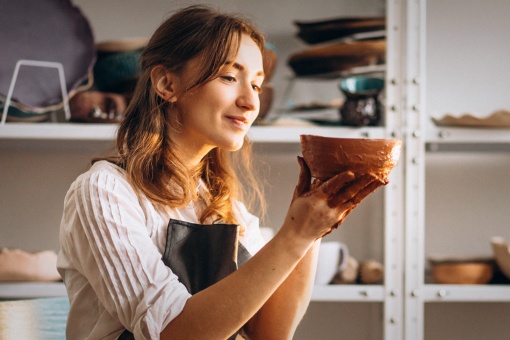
(462, 271)
(328, 156)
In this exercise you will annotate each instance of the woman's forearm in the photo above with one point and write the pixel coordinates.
(281, 314)
(225, 307)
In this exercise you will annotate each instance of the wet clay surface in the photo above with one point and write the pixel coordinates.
(327, 156)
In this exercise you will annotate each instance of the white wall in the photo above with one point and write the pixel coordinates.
(467, 56)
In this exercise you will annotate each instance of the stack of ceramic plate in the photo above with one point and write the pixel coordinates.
(314, 32)
(345, 43)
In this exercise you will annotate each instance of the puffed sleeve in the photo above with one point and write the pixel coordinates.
(109, 243)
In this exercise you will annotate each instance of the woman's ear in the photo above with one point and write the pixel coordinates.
(164, 83)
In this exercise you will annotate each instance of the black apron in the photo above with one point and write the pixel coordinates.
(201, 255)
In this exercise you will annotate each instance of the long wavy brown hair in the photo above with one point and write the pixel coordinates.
(144, 147)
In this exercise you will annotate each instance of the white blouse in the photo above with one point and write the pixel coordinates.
(111, 243)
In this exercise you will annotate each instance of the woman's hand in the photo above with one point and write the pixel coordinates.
(319, 207)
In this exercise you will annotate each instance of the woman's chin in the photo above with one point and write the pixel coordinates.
(234, 145)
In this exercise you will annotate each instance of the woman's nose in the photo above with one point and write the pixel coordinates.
(248, 98)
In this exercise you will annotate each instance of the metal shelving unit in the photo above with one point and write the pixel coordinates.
(422, 139)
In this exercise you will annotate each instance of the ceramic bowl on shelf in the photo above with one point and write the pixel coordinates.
(497, 119)
(501, 251)
(362, 105)
(117, 67)
(461, 270)
(361, 85)
(313, 32)
(15, 114)
(328, 156)
(330, 58)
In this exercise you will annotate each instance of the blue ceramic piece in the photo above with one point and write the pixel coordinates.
(15, 114)
(361, 85)
(117, 71)
(362, 106)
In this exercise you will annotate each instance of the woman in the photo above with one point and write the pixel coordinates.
(151, 239)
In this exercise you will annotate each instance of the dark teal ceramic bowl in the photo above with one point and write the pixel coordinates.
(361, 85)
(114, 71)
(15, 114)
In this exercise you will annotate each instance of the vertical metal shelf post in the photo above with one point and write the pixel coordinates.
(393, 322)
(415, 169)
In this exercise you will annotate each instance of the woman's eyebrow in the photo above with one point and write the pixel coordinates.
(240, 67)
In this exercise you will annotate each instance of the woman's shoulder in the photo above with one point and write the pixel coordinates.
(102, 174)
(103, 184)
(107, 167)
(103, 169)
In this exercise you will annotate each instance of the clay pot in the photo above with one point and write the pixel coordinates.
(328, 156)
(371, 272)
(98, 107)
(362, 105)
(462, 271)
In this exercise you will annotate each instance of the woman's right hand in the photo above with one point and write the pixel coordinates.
(318, 208)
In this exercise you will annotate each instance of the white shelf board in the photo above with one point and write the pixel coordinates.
(466, 293)
(348, 293)
(27, 290)
(58, 131)
(467, 135)
(290, 134)
(338, 293)
(106, 132)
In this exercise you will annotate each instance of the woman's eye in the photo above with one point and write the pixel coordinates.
(229, 79)
(257, 88)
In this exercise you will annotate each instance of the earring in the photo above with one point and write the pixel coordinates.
(173, 99)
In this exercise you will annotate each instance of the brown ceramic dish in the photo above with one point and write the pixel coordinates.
(324, 30)
(337, 57)
(462, 271)
(327, 156)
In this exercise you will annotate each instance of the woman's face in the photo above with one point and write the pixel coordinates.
(220, 112)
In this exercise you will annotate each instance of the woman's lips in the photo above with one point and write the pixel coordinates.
(240, 122)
